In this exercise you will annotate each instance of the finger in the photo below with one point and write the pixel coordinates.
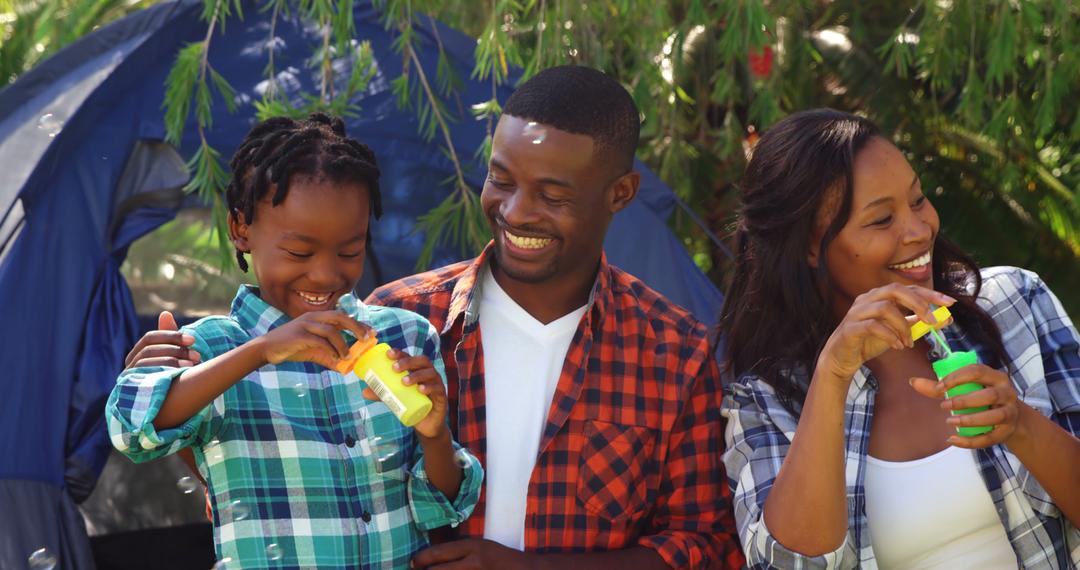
(884, 333)
(166, 361)
(166, 321)
(977, 373)
(404, 362)
(440, 553)
(991, 417)
(344, 322)
(330, 334)
(984, 397)
(887, 312)
(427, 382)
(927, 387)
(992, 437)
(165, 351)
(917, 299)
(174, 338)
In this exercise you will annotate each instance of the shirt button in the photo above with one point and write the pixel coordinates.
(350, 441)
(365, 516)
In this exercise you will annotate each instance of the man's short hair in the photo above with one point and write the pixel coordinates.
(583, 101)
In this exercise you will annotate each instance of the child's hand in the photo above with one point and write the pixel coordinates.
(423, 374)
(311, 337)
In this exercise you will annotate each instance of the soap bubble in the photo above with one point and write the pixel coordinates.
(50, 124)
(42, 559)
(274, 552)
(187, 485)
(239, 510)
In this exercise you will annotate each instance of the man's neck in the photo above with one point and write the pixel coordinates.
(552, 299)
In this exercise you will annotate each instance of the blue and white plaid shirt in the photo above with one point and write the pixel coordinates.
(1044, 364)
(303, 471)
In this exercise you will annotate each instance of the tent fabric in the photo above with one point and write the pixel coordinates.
(83, 174)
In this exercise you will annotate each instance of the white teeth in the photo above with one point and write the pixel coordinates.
(920, 261)
(526, 242)
(313, 299)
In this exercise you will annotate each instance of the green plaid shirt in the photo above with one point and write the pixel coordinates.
(303, 471)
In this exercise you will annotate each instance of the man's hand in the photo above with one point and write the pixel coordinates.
(163, 347)
(472, 554)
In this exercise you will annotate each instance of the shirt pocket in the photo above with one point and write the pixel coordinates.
(387, 443)
(613, 469)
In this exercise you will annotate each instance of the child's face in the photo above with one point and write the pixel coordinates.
(309, 250)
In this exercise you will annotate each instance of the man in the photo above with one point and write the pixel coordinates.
(592, 401)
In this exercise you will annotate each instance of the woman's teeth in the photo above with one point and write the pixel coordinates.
(314, 299)
(920, 261)
(526, 242)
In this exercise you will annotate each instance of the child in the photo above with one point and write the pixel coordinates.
(303, 468)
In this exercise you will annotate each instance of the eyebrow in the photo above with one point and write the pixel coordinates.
(311, 240)
(547, 180)
(914, 182)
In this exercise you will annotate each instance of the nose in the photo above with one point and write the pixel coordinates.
(519, 209)
(917, 230)
(325, 274)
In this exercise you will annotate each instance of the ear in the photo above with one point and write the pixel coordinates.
(238, 232)
(623, 191)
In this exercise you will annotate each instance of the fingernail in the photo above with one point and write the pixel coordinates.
(952, 421)
(397, 367)
(947, 298)
(407, 380)
(946, 404)
(185, 363)
(194, 356)
(187, 339)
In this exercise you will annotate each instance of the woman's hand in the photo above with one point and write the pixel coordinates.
(998, 393)
(874, 324)
(311, 337)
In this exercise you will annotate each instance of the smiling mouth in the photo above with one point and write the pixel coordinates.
(315, 299)
(526, 242)
(916, 263)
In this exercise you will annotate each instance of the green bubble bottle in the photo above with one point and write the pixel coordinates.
(952, 362)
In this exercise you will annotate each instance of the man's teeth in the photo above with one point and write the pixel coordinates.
(314, 299)
(526, 242)
(917, 262)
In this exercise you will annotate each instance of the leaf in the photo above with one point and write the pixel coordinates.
(179, 87)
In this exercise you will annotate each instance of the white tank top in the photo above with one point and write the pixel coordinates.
(934, 512)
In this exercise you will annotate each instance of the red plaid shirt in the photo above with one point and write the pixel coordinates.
(631, 451)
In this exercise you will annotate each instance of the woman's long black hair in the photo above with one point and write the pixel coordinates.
(776, 319)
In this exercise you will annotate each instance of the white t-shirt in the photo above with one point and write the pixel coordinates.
(934, 512)
(523, 359)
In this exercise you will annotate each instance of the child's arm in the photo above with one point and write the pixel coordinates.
(312, 337)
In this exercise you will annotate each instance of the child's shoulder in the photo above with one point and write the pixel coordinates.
(216, 330)
(390, 322)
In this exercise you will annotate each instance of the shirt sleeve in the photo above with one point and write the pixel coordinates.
(1059, 347)
(756, 447)
(136, 400)
(430, 508)
(692, 526)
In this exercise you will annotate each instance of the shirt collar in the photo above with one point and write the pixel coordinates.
(464, 300)
(259, 317)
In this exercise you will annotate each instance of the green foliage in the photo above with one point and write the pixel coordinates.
(32, 30)
(977, 94)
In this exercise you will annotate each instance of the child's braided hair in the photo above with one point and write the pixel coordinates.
(279, 148)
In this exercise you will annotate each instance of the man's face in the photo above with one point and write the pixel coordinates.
(549, 199)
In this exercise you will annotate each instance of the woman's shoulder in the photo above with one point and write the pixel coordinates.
(1005, 282)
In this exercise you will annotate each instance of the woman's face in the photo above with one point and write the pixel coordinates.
(890, 234)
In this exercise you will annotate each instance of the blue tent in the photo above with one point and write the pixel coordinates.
(84, 173)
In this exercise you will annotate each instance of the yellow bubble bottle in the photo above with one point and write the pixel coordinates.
(367, 358)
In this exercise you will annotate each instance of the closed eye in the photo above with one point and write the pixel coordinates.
(298, 254)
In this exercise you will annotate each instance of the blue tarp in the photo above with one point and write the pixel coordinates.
(79, 145)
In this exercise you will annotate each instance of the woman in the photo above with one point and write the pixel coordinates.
(841, 450)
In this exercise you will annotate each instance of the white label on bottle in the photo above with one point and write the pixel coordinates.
(379, 387)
